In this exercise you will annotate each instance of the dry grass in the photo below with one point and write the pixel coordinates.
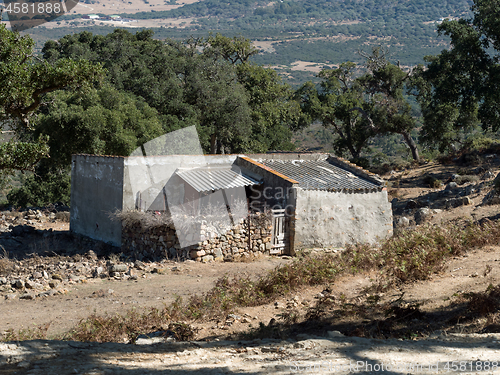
(184, 216)
(484, 304)
(119, 328)
(6, 265)
(35, 333)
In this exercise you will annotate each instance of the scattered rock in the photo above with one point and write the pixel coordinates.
(27, 296)
(139, 265)
(412, 204)
(452, 185)
(119, 268)
(234, 316)
(207, 258)
(29, 284)
(18, 284)
(487, 176)
(402, 222)
(98, 271)
(334, 334)
(54, 283)
(91, 255)
(422, 215)
(48, 293)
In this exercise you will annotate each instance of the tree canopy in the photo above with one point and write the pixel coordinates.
(208, 82)
(24, 80)
(460, 87)
(359, 107)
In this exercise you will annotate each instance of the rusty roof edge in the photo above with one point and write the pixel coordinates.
(355, 169)
(270, 170)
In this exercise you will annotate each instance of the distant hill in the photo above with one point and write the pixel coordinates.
(298, 37)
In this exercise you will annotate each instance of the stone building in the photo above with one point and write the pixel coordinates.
(313, 199)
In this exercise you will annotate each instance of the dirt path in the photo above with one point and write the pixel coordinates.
(476, 354)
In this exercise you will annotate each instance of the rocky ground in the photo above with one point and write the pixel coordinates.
(46, 276)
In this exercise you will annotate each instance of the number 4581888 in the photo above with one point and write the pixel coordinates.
(33, 8)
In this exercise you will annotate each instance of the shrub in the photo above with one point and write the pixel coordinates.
(37, 191)
(460, 180)
(479, 143)
(432, 181)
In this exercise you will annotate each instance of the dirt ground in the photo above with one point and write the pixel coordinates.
(154, 290)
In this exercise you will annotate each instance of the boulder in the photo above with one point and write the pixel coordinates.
(452, 185)
(422, 215)
(402, 222)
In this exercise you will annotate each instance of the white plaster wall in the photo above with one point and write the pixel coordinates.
(332, 219)
(148, 176)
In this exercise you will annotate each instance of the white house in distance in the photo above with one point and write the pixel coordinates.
(90, 17)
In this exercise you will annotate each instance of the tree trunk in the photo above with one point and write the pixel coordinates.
(213, 144)
(412, 145)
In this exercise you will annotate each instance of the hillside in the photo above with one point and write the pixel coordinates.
(296, 37)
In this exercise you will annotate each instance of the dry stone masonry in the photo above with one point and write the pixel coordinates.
(251, 236)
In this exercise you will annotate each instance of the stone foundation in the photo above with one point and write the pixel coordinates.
(252, 236)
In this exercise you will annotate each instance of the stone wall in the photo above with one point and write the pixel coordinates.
(252, 236)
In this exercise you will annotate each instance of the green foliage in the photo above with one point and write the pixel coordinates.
(22, 155)
(40, 191)
(234, 50)
(460, 88)
(96, 121)
(359, 108)
(432, 181)
(24, 79)
(275, 115)
(204, 82)
(479, 143)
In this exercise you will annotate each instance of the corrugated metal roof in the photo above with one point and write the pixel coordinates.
(210, 179)
(320, 175)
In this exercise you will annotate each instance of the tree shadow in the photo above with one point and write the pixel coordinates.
(339, 354)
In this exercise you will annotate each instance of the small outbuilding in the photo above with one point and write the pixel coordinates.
(312, 200)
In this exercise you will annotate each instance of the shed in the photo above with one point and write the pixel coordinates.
(316, 200)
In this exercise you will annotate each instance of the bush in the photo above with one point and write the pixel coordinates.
(432, 181)
(37, 191)
(479, 143)
(460, 180)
